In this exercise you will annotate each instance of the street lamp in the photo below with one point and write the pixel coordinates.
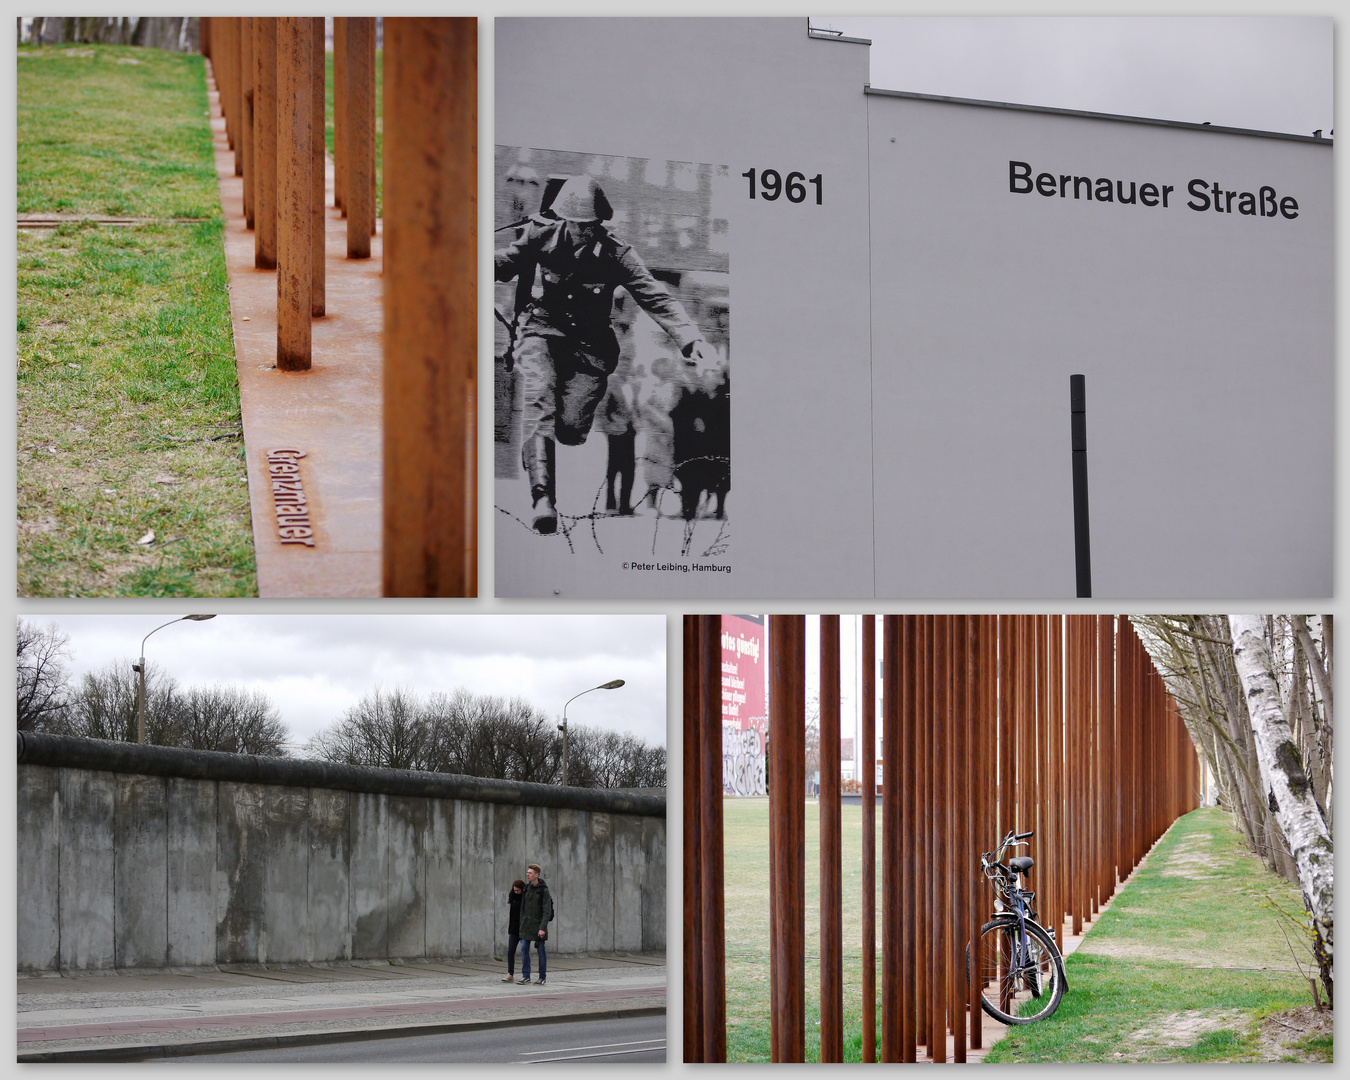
(140, 668)
(613, 684)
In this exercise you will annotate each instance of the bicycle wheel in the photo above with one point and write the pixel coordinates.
(1016, 990)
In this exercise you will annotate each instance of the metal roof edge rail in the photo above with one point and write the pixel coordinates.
(1186, 124)
(122, 757)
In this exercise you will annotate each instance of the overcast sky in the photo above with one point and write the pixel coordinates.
(1270, 74)
(314, 666)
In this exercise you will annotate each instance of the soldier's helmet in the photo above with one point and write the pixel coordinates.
(581, 199)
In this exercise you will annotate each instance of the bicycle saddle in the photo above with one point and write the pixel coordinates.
(1022, 864)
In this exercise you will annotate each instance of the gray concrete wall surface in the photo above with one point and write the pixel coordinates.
(147, 869)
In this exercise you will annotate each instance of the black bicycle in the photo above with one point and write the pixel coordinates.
(1019, 967)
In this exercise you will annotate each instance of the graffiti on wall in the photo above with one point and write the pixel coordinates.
(743, 758)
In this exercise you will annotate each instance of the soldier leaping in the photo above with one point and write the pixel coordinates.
(564, 343)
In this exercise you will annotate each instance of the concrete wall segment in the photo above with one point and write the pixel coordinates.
(134, 870)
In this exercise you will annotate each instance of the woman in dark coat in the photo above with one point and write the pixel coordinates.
(513, 928)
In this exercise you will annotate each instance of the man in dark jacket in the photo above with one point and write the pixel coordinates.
(536, 910)
(513, 899)
(565, 343)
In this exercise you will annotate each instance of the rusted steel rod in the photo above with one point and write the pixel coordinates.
(712, 889)
(340, 113)
(905, 856)
(317, 211)
(265, 143)
(295, 189)
(237, 52)
(867, 773)
(430, 307)
(246, 76)
(893, 841)
(359, 106)
(831, 848)
(787, 837)
(694, 928)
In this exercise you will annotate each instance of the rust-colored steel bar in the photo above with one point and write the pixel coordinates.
(1106, 703)
(1044, 852)
(712, 888)
(430, 307)
(370, 119)
(980, 755)
(923, 851)
(867, 773)
(360, 67)
(787, 837)
(893, 841)
(1005, 726)
(295, 163)
(225, 62)
(237, 54)
(1082, 702)
(340, 113)
(958, 877)
(693, 861)
(907, 695)
(1026, 724)
(246, 76)
(317, 212)
(831, 848)
(1053, 881)
(265, 143)
(940, 869)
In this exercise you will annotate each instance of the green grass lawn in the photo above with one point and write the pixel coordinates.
(746, 829)
(1182, 967)
(128, 404)
(1185, 963)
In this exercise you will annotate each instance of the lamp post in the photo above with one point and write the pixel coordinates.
(613, 684)
(139, 667)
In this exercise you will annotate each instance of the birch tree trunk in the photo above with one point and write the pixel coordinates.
(1284, 778)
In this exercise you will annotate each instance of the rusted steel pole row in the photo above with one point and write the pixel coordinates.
(270, 73)
(988, 723)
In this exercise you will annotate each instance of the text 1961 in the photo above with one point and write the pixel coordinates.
(772, 184)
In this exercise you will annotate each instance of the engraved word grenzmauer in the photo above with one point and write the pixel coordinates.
(288, 497)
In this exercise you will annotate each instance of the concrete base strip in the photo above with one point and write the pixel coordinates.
(66, 1032)
(144, 1051)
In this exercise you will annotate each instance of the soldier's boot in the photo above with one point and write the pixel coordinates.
(537, 455)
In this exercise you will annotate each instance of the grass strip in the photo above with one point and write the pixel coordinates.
(1188, 959)
(128, 402)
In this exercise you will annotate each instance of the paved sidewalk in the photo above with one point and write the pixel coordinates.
(167, 1013)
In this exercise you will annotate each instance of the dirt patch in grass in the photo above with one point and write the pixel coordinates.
(1300, 1035)
(1163, 1035)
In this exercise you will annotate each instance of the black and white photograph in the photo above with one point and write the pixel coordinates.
(612, 389)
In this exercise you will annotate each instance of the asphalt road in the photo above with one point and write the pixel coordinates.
(579, 1042)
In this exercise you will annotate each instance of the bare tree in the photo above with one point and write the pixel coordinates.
(483, 735)
(103, 706)
(383, 730)
(230, 719)
(43, 681)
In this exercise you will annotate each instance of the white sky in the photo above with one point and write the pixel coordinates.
(314, 666)
(1270, 74)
